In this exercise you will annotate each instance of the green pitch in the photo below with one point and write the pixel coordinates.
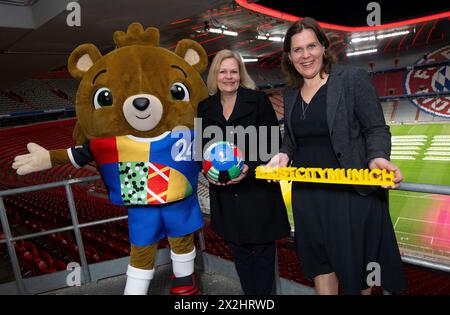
(422, 221)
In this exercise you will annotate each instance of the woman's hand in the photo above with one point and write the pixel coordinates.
(278, 160)
(238, 179)
(212, 181)
(383, 164)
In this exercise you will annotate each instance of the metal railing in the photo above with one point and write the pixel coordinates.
(76, 226)
(9, 239)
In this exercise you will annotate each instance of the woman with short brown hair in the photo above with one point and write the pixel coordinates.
(333, 119)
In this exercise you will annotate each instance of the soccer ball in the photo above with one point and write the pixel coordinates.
(222, 161)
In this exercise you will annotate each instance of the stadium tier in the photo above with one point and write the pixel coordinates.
(60, 93)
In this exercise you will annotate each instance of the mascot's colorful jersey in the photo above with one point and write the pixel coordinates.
(143, 171)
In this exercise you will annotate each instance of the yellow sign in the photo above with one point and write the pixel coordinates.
(373, 177)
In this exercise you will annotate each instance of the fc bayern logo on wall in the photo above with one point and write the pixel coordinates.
(431, 80)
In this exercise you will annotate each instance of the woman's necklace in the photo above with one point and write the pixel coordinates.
(304, 109)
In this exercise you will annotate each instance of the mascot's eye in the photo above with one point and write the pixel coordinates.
(103, 97)
(179, 92)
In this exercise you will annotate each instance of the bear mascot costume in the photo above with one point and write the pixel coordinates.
(135, 109)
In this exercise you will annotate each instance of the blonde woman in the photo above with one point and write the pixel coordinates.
(248, 213)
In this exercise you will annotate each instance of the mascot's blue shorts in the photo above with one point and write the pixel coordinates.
(150, 224)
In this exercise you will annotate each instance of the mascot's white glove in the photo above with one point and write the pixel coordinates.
(37, 160)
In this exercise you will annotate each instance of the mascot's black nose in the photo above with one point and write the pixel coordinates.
(141, 103)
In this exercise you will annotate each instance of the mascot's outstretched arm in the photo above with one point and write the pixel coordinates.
(39, 159)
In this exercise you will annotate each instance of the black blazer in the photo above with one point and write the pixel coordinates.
(253, 211)
(355, 119)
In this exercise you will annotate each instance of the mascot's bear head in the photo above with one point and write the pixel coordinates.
(139, 88)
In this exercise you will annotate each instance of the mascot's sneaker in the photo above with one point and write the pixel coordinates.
(184, 285)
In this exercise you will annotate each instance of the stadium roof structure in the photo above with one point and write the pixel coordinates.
(256, 31)
(35, 37)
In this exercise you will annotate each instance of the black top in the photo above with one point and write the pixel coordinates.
(312, 132)
(358, 131)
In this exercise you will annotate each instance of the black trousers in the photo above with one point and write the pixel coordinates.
(255, 265)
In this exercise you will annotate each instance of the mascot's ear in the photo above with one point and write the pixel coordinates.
(78, 135)
(82, 59)
(193, 53)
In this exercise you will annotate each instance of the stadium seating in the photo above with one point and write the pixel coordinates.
(390, 83)
(37, 92)
(9, 105)
(68, 86)
(406, 112)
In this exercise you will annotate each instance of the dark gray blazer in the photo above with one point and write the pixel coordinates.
(356, 123)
